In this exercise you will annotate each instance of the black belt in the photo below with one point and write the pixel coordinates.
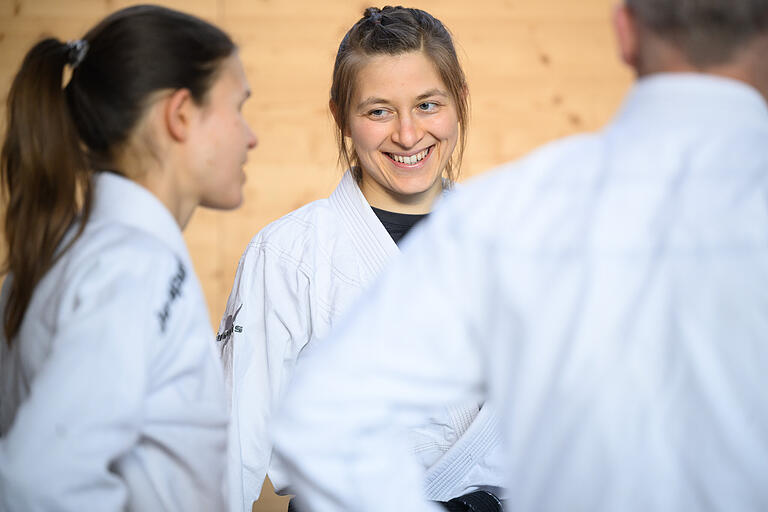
(478, 501)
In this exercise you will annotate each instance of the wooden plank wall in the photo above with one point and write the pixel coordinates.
(536, 70)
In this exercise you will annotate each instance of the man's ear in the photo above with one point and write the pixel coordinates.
(179, 111)
(626, 29)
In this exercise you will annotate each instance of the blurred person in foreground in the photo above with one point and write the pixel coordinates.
(617, 284)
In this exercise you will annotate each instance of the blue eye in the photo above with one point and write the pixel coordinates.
(378, 114)
(428, 106)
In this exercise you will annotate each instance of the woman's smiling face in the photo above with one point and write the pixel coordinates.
(403, 126)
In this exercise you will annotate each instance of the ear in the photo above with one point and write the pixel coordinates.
(179, 111)
(626, 29)
(335, 111)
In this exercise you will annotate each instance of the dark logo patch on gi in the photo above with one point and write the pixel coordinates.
(174, 292)
(229, 327)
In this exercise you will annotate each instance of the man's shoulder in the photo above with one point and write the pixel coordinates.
(553, 172)
(571, 158)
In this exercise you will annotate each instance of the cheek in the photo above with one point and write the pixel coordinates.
(209, 137)
(367, 136)
(446, 128)
(227, 143)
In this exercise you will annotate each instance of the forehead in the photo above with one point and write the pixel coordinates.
(397, 76)
(231, 76)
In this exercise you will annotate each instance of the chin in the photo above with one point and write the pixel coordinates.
(223, 203)
(417, 186)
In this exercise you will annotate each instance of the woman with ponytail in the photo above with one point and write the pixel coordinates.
(111, 394)
(399, 98)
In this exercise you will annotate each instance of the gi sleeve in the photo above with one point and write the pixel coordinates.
(413, 344)
(84, 408)
(265, 326)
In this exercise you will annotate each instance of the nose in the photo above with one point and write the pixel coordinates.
(408, 131)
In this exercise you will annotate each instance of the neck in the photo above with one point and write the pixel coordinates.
(167, 191)
(748, 64)
(154, 176)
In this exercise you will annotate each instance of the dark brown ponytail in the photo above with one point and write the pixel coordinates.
(44, 174)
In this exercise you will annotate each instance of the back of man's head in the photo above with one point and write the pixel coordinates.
(708, 32)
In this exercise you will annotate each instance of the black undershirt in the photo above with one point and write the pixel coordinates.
(397, 224)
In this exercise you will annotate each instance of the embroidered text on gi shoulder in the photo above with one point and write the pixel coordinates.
(229, 327)
(174, 291)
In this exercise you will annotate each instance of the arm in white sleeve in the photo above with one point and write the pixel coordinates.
(84, 406)
(265, 326)
(411, 345)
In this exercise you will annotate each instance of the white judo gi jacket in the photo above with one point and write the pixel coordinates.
(294, 281)
(112, 394)
(611, 290)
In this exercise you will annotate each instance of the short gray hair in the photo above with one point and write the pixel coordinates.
(707, 31)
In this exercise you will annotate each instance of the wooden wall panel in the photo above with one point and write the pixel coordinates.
(536, 71)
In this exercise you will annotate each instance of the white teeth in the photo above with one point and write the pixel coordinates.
(410, 160)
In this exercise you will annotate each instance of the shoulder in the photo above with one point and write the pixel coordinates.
(559, 164)
(124, 249)
(113, 280)
(524, 197)
(307, 224)
(117, 259)
(313, 236)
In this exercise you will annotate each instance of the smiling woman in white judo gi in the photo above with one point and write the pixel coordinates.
(112, 394)
(399, 98)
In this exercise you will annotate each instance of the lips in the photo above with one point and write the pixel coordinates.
(410, 160)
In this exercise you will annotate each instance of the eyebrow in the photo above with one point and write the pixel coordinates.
(246, 94)
(430, 93)
(372, 100)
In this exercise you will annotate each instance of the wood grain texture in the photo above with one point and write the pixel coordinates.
(536, 71)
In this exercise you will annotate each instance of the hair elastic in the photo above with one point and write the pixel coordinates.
(375, 16)
(76, 51)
